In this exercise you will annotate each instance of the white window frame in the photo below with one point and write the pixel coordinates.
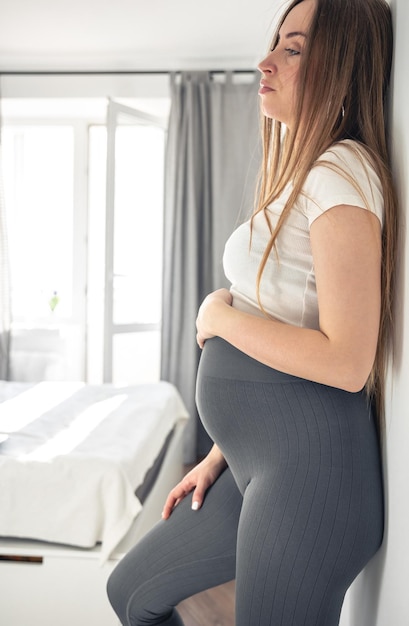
(115, 110)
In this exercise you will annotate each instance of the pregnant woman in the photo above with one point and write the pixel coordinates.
(290, 384)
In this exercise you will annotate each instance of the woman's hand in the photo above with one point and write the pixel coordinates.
(198, 480)
(211, 308)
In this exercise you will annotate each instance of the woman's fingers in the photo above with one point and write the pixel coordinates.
(170, 504)
(197, 498)
(177, 494)
(198, 480)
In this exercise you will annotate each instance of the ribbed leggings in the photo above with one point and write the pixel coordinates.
(295, 517)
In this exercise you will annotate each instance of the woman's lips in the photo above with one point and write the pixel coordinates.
(265, 88)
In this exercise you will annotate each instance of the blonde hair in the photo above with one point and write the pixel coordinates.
(343, 82)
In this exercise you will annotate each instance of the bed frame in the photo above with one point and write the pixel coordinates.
(47, 584)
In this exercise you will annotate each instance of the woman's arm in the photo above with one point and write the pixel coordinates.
(346, 247)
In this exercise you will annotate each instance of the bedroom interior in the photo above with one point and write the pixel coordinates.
(112, 232)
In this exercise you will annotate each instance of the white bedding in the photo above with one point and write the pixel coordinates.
(72, 455)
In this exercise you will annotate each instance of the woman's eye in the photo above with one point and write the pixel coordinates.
(292, 52)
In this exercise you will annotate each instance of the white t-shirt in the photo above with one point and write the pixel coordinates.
(288, 290)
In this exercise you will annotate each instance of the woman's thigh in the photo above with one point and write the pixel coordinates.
(189, 552)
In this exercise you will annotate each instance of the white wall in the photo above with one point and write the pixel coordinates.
(381, 596)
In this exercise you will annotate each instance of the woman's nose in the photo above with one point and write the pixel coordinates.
(267, 65)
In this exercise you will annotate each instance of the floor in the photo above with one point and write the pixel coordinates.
(214, 607)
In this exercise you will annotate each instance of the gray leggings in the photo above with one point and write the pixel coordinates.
(295, 517)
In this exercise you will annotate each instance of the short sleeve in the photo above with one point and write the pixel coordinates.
(342, 175)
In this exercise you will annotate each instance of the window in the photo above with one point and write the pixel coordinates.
(39, 175)
(98, 288)
(128, 286)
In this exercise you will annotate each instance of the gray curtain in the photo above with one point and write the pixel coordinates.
(4, 283)
(212, 161)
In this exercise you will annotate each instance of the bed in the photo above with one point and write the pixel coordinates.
(84, 472)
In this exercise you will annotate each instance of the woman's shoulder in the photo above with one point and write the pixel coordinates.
(348, 154)
(343, 174)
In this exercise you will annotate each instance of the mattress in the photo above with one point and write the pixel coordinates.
(73, 455)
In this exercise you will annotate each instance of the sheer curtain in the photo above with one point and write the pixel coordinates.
(212, 160)
(4, 282)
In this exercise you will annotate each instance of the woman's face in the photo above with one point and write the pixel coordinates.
(280, 68)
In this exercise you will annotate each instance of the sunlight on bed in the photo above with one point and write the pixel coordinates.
(77, 431)
(19, 411)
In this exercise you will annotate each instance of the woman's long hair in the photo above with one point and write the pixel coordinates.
(343, 83)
